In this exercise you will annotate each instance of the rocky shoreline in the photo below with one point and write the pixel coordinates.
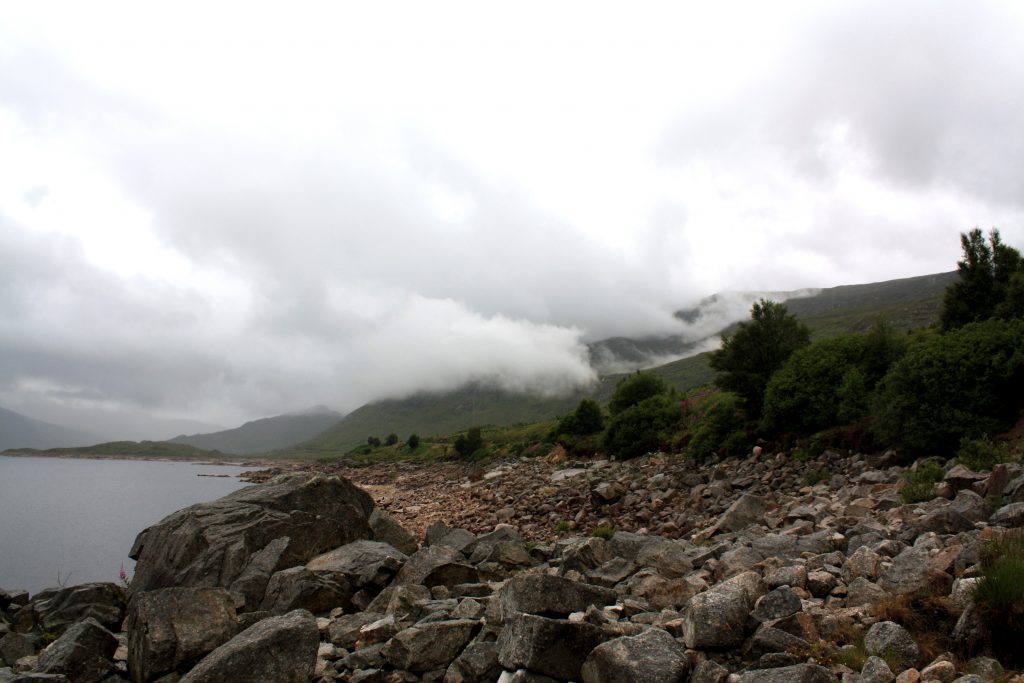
(746, 570)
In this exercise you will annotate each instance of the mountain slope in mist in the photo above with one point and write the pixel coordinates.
(20, 431)
(265, 435)
(905, 303)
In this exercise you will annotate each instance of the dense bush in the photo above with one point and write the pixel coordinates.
(586, 419)
(830, 382)
(469, 443)
(373, 441)
(962, 383)
(982, 453)
(999, 595)
(392, 439)
(413, 442)
(635, 388)
(758, 348)
(714, 425)
(643, 427)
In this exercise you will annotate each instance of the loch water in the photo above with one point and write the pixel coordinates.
(70, 521)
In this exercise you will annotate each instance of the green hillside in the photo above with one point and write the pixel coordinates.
(265, 435)
(906, 303)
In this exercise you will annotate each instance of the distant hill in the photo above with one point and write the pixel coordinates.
(127, 449)
(268, 434)
(907, 303)
(19, 431)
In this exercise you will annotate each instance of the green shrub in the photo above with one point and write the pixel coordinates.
(466, 445)
(373, 441)
(392, 439)
(962, 383)
(586, 419)
(715, 426)
(999, 596)
(982, 453)
(751, 355)
(413, 442)
(604, 531)
(563, 526)
(919, 484)
(831, 381)
(642, 428)
(635, 389)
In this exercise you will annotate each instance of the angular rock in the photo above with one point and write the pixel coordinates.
(863, 592)
(83, 653)
(718, 617)
(276, 650)
(651, 657)
(213, 544)
(299, 588)
(552, 647)
(55, 609)
(385, 528)
(776, 604)
(14, 646)
(172, 628)
(890, 640)
(547, 595)
(798, 673)
(437, 565)
(748, 509)
(361, 562)
(434, 645)
(344, 631)
(478, 663)
(875, 670)
(911, 572)
(709, 671)
(661, 593)
(1011, 515)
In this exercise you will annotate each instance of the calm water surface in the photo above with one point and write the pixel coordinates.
(80, 517)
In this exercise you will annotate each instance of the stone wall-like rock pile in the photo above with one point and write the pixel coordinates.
(758, 574)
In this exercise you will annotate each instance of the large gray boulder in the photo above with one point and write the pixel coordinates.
(429, 646)
(798, 673)
(911, 571)
(437, 565)
(748, 509)
(651, 657)
(240, 540)
(55, 609)
(361, 562)
(478, 663)
(890, 640)
(275, 650)
(172, 628)
(547, 595)
(552, 647)
(83, 653)
(299, 588)
(718, 617)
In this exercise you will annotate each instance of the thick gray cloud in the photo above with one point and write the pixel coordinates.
(332, 219)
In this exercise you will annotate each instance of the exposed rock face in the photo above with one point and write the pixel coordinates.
(553, 647)
(82, 653)
(239, 541)
(654, 656)
(55, 609)
(433, 645)
(170, 629)
(275, 650)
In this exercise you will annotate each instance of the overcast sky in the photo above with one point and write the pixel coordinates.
(221, 211)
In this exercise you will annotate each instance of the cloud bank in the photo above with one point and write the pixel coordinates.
(219, 219)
